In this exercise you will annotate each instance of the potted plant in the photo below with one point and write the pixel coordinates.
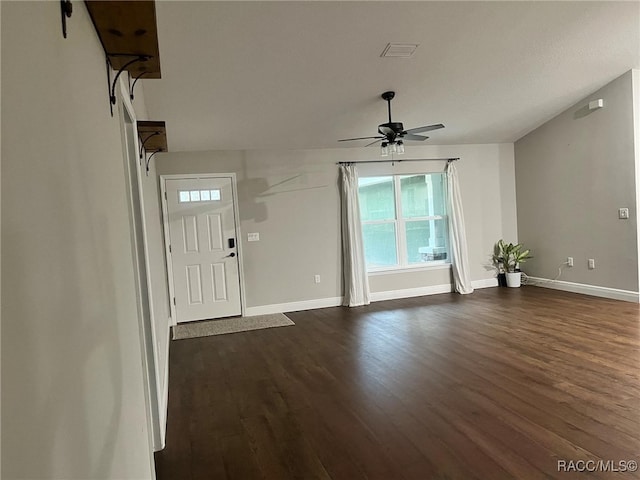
(509, 257)
(498, 258)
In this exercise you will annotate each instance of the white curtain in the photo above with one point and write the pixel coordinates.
(354, 270)
(457, 235)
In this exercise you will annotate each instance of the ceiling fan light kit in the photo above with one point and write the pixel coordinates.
(393, 134)
(396, 147)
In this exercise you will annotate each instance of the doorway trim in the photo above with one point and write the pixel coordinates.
(165, 228)
(156, 404)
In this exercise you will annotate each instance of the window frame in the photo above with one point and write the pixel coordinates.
(399, 222)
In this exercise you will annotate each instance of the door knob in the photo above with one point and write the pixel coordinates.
(232, 254)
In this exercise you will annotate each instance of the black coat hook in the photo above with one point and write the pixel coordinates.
(66, 9)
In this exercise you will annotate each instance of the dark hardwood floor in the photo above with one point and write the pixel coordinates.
(501, 384)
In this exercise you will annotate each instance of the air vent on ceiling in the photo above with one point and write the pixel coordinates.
(399, 50)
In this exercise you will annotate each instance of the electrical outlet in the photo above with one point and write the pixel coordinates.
(623, 213)
(592, 264)
(570, 261)
(316, 278)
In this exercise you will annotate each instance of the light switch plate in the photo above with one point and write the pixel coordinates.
(253, 237)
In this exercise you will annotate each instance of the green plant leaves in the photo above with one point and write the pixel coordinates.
(508, 256)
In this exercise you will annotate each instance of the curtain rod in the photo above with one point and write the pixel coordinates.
(398, 161)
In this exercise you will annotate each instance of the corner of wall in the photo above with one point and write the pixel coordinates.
(508, 198)
(635, 93)
(0, 243)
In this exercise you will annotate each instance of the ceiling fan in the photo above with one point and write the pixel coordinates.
(393, 133)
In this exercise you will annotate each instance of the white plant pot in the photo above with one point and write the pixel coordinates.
(513, 279)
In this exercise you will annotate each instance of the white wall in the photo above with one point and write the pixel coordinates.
(291, 198)
(73, 402)
(572, 175)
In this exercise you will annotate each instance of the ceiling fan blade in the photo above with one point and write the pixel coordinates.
(411, 136)
(372, 143)
(359, 138)
(427, 128)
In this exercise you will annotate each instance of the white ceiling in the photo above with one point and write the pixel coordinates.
(260, 75)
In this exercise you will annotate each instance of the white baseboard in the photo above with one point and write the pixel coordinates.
(410, 292)
(430, 290)
(293, 306)
(485, 283)
(375, 297)
(593, 290)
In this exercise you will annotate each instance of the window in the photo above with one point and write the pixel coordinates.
(185, 196)
(404, 221)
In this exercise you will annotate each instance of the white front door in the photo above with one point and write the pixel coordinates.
(203, 241)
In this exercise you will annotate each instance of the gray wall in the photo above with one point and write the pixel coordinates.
(572, 175)
(291, 198)
(73, 400)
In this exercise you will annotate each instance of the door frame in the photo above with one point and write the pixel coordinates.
(165, 228)
(156, 404)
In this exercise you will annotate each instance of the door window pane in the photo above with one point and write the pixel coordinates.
(376, 198)
(184, 196)
(422, 195)
(379, 244)
(426, 240)
(199, 195)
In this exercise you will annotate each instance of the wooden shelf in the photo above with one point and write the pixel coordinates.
(128, 29)
(153, 135)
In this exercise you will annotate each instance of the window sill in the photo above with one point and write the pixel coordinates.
(415, 268)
